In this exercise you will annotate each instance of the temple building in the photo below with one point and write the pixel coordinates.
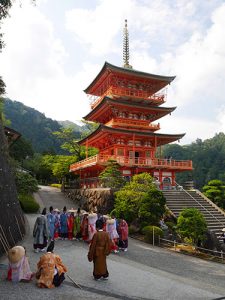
(126, 104)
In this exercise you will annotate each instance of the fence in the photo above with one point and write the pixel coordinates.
(197, 250)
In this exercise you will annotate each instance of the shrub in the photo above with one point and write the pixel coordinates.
(56, 185)
(28, 204)
(148, 233)
(133, 229)
(171, 226)
(25, 183)
(191, 224)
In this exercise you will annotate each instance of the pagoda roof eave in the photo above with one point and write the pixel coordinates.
(101, 127)
(107, 100)
(141, 74)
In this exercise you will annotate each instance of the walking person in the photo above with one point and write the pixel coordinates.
(63, 224)
(123, 235)
(84, 227)
(92, 218)
(113, 234)
(77, 225)
(98, 250)
(70, 223)
(40, 232)
(57, 223)
(51, 223)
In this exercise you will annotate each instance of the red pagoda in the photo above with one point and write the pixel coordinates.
(126, 104)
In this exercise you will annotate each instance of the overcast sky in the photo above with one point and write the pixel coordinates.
(56, 48)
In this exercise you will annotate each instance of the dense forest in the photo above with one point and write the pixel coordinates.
(208, 156)
(35, 127)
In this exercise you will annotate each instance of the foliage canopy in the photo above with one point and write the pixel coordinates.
(111, 177)
(215, 191)
(191, 225)
(139, 200)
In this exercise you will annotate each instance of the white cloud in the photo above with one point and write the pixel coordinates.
(182, 38)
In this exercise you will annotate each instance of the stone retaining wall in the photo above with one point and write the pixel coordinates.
(100, 199)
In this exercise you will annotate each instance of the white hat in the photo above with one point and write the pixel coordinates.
(110, 221)
(223, 229)
(92, 215)
(15, 254)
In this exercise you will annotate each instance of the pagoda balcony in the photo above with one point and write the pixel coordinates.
(125, 161)
(113, 92)
(133, 123)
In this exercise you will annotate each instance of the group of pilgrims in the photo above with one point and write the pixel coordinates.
(77, 225)
(104, 234)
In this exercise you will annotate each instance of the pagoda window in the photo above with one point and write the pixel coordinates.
(120, 141)
(130, 142)
(143, 117)
(121, 114)
(148, 143)
(112, 152)
(137, 143)
(120, 152)
(148, 153)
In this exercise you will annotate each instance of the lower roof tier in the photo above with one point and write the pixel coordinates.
(109, 135)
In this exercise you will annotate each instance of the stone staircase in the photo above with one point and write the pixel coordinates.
(176, 201)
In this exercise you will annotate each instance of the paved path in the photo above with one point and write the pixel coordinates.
(144, 272)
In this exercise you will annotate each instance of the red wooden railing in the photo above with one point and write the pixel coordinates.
(130, 162)
(129, 92)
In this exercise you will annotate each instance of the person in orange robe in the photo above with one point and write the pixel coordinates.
(98, 250)
(51, 269)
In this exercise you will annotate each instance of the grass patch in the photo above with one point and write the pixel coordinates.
(56, 185)
(28, 204)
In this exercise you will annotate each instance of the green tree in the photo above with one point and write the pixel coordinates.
(25, 183)
(140, 200)
(111, 177)
(215, 191)
(88, 128)
(191, 225)
(60, 166)
(21, 150)
(71, 143)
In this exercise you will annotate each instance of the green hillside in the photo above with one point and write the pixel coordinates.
(35, 127)
(208, 158)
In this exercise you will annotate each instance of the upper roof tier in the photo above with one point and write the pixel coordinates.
(111, 74)
(111, 108)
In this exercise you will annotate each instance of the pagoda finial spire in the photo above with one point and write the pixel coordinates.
(126, 54)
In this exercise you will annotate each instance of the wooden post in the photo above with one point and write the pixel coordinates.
(4, 236)
(19, 228)
(153, 236)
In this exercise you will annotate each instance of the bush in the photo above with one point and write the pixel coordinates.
(56, 185)
(28, 204)
(148, 233)
(171, 226)
(25, 183)
(133, 229)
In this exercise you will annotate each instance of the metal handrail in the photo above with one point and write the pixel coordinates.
(199, 203)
